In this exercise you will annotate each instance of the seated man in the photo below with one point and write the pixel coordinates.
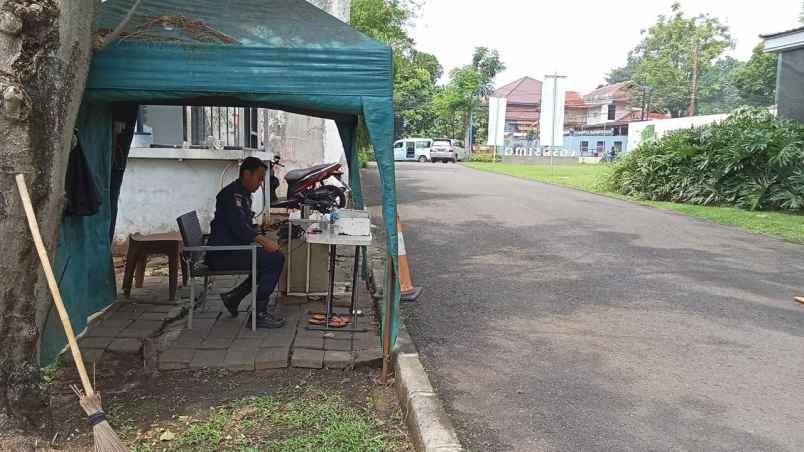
(232, 225)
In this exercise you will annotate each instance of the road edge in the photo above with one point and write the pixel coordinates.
(429, 425)
(645, 204)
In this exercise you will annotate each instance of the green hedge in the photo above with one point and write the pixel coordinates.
(751, 160)
(483, 158)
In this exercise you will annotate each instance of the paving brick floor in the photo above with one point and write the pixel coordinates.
(217, 340)
(226, 342)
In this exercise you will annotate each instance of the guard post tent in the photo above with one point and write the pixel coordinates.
(280, 54)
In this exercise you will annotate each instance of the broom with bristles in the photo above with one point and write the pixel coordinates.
(106, 439)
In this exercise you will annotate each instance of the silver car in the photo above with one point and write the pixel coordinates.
(446, 150)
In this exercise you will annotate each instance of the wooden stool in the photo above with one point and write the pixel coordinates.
(141, 246)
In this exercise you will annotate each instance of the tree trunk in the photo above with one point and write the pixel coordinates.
(45, 46)
(693, 107)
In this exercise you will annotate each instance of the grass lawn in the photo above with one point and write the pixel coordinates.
(586, 177)
(210, 410)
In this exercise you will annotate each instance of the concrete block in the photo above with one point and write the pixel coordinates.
(311, 342)
(366, 341)
(157, 307)
(125, 345)
(114, 322)
(177, 355)
(428, 424)
(410, 377)
(121, 314)
(172, 366)
(368, 358)
(94, 342)
(103, 332)
(271, 358)
(153, 316)
(240, 358)
(208, 359)
(213, 342)
(337, 345)
(208, 314)
(282, 341)
(337, 359)
(190, 339)
(311, 359)
(143, 324)
(246, 343)
(133, 333)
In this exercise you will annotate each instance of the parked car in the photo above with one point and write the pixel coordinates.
(447, 150)
(412, 149)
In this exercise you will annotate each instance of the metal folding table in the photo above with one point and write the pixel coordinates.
(333, 239)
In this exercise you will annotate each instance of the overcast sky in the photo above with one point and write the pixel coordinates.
(579, 38)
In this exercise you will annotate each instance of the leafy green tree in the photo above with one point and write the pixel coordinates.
(674, 54)
(756, 80)
(623, 73)
(383, 20)
(416, 74)
(718, 91)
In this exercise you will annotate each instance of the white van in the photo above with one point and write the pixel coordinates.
(413, 149)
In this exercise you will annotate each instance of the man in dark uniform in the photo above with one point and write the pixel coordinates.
(233, 225)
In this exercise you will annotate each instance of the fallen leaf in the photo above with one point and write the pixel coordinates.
(167, 436)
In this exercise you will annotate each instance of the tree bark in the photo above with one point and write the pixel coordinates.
(693, 107)
(45, 47)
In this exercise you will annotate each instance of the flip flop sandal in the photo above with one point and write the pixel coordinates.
(321, 316)
(335, 322)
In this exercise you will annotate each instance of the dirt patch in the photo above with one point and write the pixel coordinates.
(288, 409)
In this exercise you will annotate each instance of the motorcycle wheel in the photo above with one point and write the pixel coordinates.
(336, 193)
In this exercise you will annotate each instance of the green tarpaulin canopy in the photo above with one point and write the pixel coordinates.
(281, 54)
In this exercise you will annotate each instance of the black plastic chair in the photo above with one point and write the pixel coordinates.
(195, 248)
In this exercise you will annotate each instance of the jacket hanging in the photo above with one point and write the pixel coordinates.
(83, 198)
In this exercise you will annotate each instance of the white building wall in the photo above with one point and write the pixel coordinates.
(666, 125)
(156, 191)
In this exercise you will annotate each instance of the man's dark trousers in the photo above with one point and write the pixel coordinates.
(269, 267)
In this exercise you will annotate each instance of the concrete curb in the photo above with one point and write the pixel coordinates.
(429, 426)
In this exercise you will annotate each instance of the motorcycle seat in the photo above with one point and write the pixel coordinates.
(299, 174)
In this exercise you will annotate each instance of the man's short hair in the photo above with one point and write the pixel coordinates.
(251, 164)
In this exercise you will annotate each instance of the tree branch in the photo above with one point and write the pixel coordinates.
(111, 37)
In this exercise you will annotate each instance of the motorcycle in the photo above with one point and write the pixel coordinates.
(310, 187)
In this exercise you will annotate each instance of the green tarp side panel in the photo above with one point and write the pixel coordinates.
(378, 114)
(84, 254)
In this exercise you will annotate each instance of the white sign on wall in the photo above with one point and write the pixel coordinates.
(551, 119)
(496, 135)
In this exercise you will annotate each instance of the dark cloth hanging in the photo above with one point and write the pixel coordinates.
(83, 198)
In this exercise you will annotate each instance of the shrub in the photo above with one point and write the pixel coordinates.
(484, 158)
(751, 160)
(364, 156)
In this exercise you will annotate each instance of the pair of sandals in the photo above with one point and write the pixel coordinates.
(336, 321)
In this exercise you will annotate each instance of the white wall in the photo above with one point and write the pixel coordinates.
(666, 125)
(157, 190)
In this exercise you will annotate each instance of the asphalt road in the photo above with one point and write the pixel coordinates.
(554, 319)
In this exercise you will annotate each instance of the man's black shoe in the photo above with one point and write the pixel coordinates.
(266, 320)
(231, 301)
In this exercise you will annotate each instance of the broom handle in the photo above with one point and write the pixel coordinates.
(51, 282)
